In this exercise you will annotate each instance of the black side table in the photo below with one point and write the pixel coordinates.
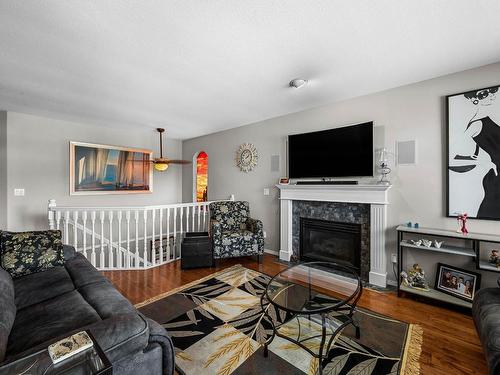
(196, 250)
(91, 361)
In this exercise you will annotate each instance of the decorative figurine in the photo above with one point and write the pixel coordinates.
(462, 220)
(417, 242)
(494, 258)
(415, 278)
(416, 226)
(408, 224)
(426, 243)
(437, 244)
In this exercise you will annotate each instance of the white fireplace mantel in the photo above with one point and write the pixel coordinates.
(372, 194)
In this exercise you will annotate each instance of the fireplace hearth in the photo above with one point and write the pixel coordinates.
(325, 240)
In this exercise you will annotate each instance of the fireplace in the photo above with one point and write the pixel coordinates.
(325, 240)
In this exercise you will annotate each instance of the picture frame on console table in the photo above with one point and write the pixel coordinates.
(473, 153)
(457, 282)
(97, 169)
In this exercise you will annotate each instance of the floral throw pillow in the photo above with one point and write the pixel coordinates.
(23, 253)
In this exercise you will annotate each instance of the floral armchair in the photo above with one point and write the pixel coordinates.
(233, 232)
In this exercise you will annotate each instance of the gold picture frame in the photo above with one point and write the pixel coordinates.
(97, 169)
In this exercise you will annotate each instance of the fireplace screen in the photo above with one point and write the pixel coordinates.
(322, 240)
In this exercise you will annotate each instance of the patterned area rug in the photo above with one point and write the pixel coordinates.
(218, 327)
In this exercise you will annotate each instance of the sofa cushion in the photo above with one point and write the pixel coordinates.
(50, 319)
(82, 272)
(232, 216)
(38, 287)
(24, 253)
(7, 310)
(106, 300)
(235, 244)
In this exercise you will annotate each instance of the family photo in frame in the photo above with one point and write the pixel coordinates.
(457, 281)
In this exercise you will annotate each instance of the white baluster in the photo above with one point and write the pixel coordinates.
(101, 256)
(75, 233)
(174, 250)
(187, 218)
(119, 250)
(199, 214)
(153, 248)
(84, 219)
(192, 222)
(127, 256)
(145, 252)
(168, 234)
(58, 220)
(66, 228)
(161, 235)
(51, 214)
(92, 256)
(110, 248)
(136, 252)
(180, 231)
(205, 210)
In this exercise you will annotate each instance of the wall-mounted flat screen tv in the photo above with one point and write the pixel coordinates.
(340, 152)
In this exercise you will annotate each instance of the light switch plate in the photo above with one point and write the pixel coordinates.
(19, 192)
(266, 191)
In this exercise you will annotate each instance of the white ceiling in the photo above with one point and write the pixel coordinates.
(197, 67)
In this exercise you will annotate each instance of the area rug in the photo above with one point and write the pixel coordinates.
(218, 327)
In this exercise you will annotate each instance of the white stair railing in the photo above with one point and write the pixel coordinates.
(127, 238)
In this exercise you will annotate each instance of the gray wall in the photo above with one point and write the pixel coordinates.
(414, 111)
(38, 161)
(3, 169)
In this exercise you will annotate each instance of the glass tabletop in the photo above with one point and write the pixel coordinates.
(314, 287)
(91, 361)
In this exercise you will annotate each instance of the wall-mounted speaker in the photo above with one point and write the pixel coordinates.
(275, 163)
(406, 152)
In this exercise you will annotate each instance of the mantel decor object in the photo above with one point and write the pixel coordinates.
(383, 167)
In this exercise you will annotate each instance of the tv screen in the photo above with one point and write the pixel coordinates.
(339, 152)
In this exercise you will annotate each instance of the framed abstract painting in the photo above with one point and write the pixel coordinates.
(473, 154)
(103, 169)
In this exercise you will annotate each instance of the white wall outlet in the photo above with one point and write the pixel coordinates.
(265, 234)
(19, 192)
(266, 191)
(394, 258)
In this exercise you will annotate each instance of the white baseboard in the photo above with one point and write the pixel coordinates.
(272, 252)
(392, 282)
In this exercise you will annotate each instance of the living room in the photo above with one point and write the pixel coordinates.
(249, 187)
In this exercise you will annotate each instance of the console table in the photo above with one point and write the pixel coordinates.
(472, 247)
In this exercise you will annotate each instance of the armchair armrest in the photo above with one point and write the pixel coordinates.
(255, 226)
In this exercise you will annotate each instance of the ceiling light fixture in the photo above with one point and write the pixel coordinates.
(297, 83)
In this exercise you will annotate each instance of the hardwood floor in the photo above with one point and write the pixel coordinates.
(450, 346)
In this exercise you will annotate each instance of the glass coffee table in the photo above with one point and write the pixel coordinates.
(319, 299)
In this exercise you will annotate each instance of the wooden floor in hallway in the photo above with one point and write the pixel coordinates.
(450, 345)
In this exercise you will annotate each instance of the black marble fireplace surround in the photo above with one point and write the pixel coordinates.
(334, 213)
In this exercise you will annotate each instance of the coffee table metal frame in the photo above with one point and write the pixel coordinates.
(344, 308)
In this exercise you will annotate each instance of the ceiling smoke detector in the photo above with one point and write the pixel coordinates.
(297, 83)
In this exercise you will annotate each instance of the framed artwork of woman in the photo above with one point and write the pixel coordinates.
(473, 160)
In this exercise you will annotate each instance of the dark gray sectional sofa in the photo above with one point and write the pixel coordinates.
(486, 314)
(39, 309)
